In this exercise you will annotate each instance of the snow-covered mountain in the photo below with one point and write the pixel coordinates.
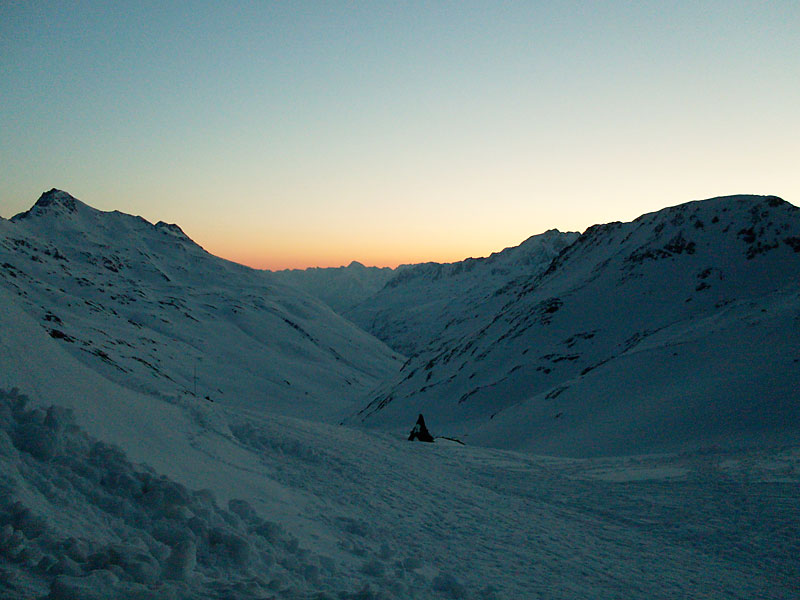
(421, 300)
(679, 329)
(341, 288)
(146, 307)
(116, 483)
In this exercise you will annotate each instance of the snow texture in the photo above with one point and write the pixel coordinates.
(678, 330)
(149, 309)
(383, 518)
(118, 481)
(420, 301)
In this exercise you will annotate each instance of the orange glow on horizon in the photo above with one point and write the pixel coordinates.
(386, 242)
(275, 258)
(279, 263)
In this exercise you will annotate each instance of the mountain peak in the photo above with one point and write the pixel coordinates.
(54, 201)
(172, 229)
(57, 198)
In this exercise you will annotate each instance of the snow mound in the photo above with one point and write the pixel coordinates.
(388, 520)
(78, 520)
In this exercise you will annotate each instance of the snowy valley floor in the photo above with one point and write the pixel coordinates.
(303, 510)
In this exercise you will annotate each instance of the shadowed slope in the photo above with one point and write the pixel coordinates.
(678, 329)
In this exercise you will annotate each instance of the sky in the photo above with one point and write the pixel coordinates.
(297, 134)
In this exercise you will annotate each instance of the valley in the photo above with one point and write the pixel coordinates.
(174, 425)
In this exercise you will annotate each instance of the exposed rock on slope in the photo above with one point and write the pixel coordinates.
(146, 307)
(679, 328)
(421, 300)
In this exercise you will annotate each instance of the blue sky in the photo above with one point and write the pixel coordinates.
(292, 134)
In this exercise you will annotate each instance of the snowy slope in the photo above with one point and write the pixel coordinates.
(341, 288)
(148, 308)
(677, 330)
(420, 300)
(147, 494)
(300, 510)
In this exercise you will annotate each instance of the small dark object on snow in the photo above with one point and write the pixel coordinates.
(420, 432)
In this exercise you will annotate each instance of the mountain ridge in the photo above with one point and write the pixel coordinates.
(707, 265)
(341, 288)
(54, 199)
(420, 300)
(523, 332)
(147, 307)
(118, 480)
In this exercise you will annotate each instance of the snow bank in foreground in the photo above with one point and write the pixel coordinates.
(377, 517)
(80, 521)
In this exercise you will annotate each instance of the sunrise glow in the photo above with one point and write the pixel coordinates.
(288, 135)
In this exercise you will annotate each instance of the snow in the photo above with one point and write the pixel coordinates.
(149, 309)
(114, 486)
(385, 518)
(341, 288)
(672, 332)
(420, 301)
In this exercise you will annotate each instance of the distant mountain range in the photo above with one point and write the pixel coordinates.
(420, 301)
(341, 288)
(679, 329)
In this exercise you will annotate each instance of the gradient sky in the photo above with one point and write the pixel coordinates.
(295, 134)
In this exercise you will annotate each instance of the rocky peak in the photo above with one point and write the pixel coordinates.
(172, 229)
(52, 202)
(58, 199)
